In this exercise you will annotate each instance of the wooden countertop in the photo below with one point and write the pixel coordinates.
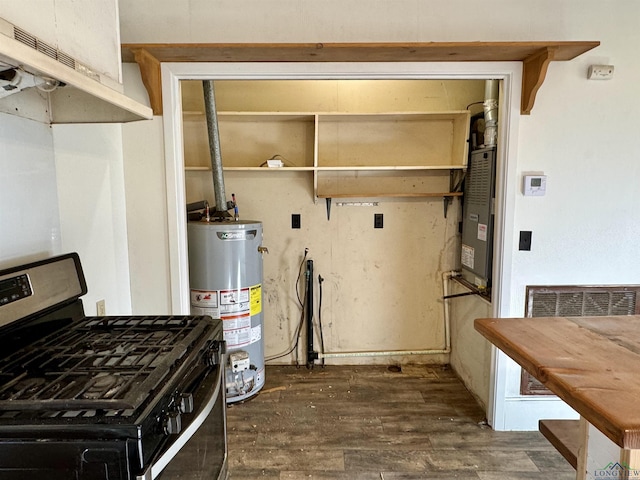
(592, 363)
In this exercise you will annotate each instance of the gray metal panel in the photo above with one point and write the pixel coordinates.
(477, 223)
(53, 281)
(224, 254)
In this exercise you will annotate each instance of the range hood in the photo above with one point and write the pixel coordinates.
(75, 93)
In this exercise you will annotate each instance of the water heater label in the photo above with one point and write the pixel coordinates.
(235, 308)
(235, 322)
(255, 296)
(212, 312)
(234, 301)
(238, 337)
(204, 298)
(256, 333)
(242, 235)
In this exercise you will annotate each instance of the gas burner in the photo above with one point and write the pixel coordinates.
(27, 387)
(98, 347)
(103, 386)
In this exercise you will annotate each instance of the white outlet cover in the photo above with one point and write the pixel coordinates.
(600, 72)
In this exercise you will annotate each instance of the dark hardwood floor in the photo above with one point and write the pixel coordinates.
(370, 423)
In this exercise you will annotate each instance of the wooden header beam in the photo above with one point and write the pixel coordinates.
(534, 55)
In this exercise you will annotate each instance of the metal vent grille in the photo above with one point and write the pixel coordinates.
(480, 171)
(66, 60)
(26, 38)
(575, 301)
(31, 41)
(582, 304)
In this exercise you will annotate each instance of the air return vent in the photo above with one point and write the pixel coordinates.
(576, 301)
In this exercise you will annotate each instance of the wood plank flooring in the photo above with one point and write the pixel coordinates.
(369, 423)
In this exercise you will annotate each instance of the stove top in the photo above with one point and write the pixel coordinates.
(108, 363)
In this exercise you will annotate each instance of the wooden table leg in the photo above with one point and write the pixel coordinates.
(583, 450)
(632, 459)
(599, 458)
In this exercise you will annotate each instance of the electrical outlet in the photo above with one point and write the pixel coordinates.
(295, 220)
(101, 309)
(378, 221)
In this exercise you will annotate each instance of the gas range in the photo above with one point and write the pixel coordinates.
(99, 397)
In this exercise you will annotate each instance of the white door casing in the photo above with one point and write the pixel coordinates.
(510, 74)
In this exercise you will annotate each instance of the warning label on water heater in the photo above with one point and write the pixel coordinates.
(235, 308)
(237, 337)
(256, 299)
(204, 298)
(205, 302)
(234, 301)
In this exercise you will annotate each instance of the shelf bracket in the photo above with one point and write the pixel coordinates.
(151, 77)
(328, 202)
(534, 71)
(455, 184)
(447, 201)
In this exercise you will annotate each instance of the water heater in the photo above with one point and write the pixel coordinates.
(225, 275)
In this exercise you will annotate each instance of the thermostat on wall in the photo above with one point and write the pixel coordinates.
(535, 185)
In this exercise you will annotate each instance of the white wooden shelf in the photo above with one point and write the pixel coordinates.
(329, 169)
(390, 154)
(392, 195)
(387, 168)
(252, 169)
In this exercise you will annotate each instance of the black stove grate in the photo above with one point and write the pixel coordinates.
(99, 363)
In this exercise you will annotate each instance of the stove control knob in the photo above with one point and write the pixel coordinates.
(185, 403)
(172, 423)
(217, 348)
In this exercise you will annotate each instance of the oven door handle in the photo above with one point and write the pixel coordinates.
(156, 468)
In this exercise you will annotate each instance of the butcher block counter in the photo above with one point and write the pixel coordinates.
(593, 364)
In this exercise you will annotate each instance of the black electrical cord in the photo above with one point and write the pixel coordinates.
(303, 308)
(306, 251)
(320, 280)
(298, 330)
(297, 341)
(474, 103)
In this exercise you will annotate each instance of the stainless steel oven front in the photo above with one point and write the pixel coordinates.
(104, 398)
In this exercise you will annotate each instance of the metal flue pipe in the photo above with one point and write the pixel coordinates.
(214, 146)
(491, 89)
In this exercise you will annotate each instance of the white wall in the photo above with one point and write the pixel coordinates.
(149, 21)
(582, 134)
(29, 220)
(470, 353)
(146, 206)
(90, 176)
(62, 188)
